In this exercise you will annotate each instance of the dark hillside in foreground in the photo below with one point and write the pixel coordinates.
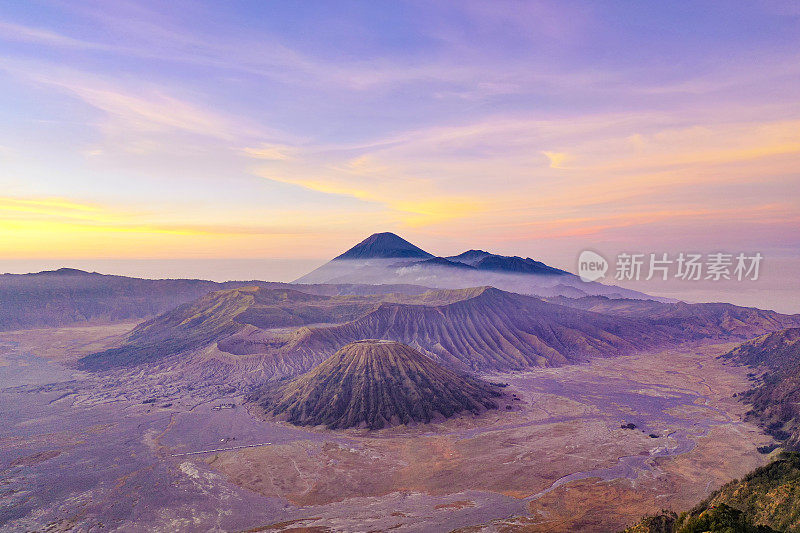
(766, 500)
(775, 399)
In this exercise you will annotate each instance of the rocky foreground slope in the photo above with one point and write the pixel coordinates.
(375, 384)
(775, 398)
(766, 500)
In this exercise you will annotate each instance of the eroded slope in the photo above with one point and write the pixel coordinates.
(775, 397)
(374, 384)
(491, 330)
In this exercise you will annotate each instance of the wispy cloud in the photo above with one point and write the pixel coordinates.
(68, 213)
(152, 35)
(528, 119)
(48, 206)
(557, 159)
(140, 118)
(19, 32)
(135, 106)
(275, 152)
(618, 166)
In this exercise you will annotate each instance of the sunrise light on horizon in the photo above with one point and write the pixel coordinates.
(282, 131)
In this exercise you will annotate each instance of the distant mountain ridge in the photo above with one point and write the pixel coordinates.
(439, 261)
(69, 296)
(63, 271)
(470, 257)
(515, 264)
(375, 384)
(703, 320)
(387, 258)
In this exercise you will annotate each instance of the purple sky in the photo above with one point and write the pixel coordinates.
(283, 132)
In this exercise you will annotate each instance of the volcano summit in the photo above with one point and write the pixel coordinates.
(374, 384)
(387, 259)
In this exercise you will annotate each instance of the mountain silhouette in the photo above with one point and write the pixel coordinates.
(384, 246)
(385, 258)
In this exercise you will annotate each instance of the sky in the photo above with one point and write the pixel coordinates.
(161, 134)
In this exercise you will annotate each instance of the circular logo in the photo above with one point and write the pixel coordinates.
(591, 266)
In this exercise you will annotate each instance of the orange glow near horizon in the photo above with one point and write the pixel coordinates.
(253, 144)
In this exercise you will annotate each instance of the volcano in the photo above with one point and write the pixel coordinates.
(387, 259)
(375, 384)
(384, 246)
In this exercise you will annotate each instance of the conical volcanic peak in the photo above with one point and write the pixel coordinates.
(375, 384)
(382, 246)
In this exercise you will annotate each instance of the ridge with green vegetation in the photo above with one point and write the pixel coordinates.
(765, 500)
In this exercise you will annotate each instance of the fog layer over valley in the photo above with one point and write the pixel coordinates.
(385, 258)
